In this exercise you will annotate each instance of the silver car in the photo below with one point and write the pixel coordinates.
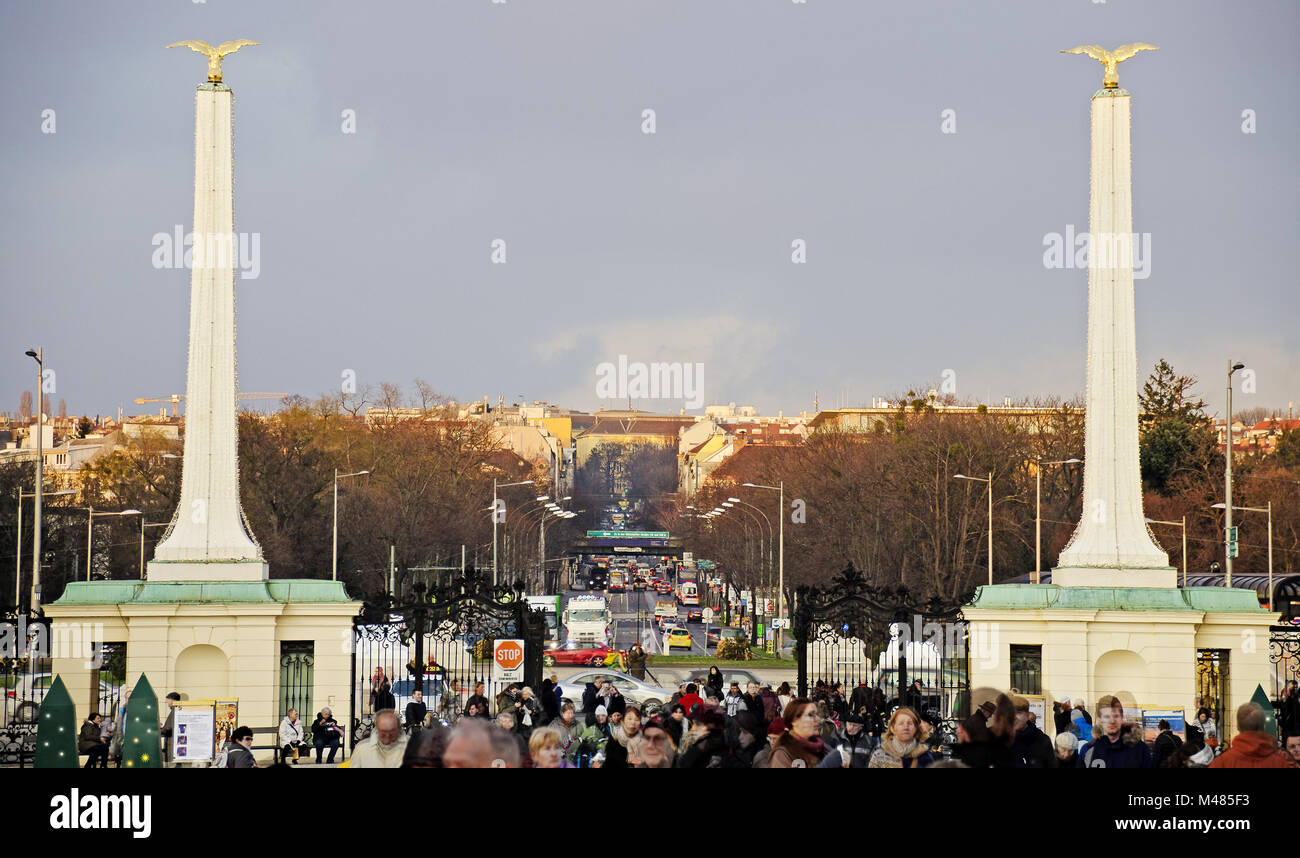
(634, 690)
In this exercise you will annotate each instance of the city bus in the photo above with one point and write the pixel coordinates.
(617, 581)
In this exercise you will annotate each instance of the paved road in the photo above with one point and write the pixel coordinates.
(633, 620)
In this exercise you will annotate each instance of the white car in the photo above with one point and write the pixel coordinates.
(634, 690)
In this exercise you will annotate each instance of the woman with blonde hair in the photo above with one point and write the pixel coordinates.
(903, 745)
(546, 747)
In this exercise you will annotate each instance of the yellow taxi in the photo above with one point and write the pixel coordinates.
(679, 637)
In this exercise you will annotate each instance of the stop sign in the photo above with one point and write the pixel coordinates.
(508, 660)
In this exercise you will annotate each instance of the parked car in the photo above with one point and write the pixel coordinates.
(579, 652)
(729, 675)
(635, 690)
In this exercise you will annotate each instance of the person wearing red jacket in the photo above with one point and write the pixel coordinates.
(690, 698)
(1252, 748)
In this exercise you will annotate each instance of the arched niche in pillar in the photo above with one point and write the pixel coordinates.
(1120, 672)
(202, 671)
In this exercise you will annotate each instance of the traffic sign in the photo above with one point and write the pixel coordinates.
(769, 606)
(1232, 549)
(1232, 533)
(508, 660)
(627, 534)
(708, 615)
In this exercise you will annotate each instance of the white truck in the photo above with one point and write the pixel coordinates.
(586, 619)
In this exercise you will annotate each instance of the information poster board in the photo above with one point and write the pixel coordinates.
(193, 729)
(1151, 719)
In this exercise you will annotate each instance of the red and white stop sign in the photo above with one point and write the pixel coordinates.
(508, 656)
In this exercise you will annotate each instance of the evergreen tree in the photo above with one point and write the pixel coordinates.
(141, 748)
(1176, 434)
(56, 731)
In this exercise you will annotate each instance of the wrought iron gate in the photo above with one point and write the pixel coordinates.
(1212, 687)
(439, 641)
(25, 677)
(1284, 659)
(878, 642)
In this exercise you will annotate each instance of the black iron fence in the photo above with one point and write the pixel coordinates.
(439, 641)
(25, 677)
(885, 649)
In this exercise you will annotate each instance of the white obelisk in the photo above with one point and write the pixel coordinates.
(208, 539)
(1112, 546)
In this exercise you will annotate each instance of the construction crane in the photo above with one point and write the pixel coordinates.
(177, 398)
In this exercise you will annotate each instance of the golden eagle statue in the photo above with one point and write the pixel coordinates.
(214, 55)
(1111, 59)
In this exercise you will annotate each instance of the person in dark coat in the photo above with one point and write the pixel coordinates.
(744, 737)
(1061, 716)
(615, 702)
(636, 661)
(91, 742)
(1120, 745)
(549, 701)
(674, 723)
(1067, 750)
(1030, 749)
(914, 698)
(708, 741)
(478, 700)
(1165, 745)
(713, 682)
(415, 711)
(591, 696)
(860, 699)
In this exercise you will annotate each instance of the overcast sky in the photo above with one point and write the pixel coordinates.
(522, 121)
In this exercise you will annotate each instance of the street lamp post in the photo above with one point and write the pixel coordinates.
(1227, 484)
(38, 354)
(988, 480)
(18, 549)
(334, 566)
(90, 530)
(1038, 515)
(1183, 525)
(780, 585)
(496, 486)
(1268, 509)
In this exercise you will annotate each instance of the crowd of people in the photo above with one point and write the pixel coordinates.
(709, 726)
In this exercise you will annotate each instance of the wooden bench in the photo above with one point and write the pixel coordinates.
(305, 751)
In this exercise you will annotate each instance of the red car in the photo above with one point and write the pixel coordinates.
(579, 652)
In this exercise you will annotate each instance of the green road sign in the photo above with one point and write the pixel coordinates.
(1232, 533)
(1232, 549)
(627, 534)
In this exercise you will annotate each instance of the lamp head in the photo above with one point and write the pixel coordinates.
(734, 500)
(31, 353)
(1235, 366)
(1218, 506)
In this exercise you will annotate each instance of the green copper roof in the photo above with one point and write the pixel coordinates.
(1052, 597)
(284, 590)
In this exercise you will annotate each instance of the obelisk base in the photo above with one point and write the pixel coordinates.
(211, 570)
(1094, 576)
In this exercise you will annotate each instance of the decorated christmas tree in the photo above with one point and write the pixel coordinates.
(56, 730)
(140, 744)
